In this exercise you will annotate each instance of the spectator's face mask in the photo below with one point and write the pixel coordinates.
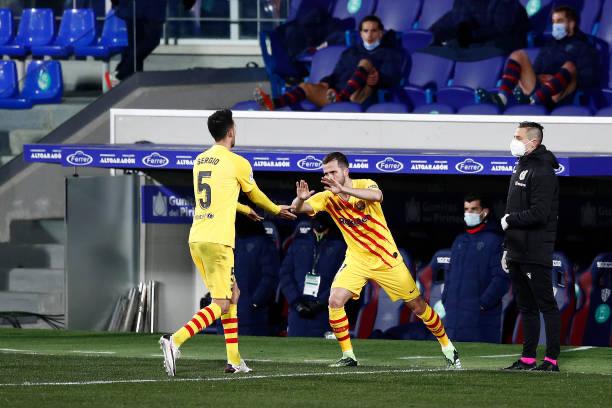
(371, 46)
(518, 148)
(559, 31)
(472, 219)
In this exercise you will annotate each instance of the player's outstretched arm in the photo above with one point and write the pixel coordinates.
(368, 194)
(261, 200)
(303, 193)
(248, 211)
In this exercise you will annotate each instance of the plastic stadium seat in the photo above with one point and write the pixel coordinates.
(6, 26)
(434, 108)
(420, 37)
(272, 232)
(604, 112)
(480, 109)
(605, 23)
(9, 86)
(113, 39)
(78, 27)
(532, 53)
(311, 4)
(246, 106)
(588, 15)
(598, 320)
(323, 63)
(570, 110)
(469, 76)
(530, 110)
(342, 107)
(421, 82)
(42, 84)
(538, 12)
(351, 9)
(388, 107)
(398, 15)
(432, 272)
(35, 28)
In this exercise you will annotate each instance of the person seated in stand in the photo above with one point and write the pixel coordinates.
(566, 63)
(375, 63)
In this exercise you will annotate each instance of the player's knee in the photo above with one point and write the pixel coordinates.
(223, 304)
(571, 67)
(335, 301)
(366, 64)
(417, 306)
(519, 56)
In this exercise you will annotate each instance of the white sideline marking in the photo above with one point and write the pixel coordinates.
(500, 356)
(417, 357)
(577, 349)
(235, 378)
(92, 352)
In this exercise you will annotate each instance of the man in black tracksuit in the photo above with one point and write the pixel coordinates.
(530, 224)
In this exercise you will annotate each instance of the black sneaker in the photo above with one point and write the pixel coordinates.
(547, 366)
(485, 96)
(345, 362)
(520, 97)
(519, 365)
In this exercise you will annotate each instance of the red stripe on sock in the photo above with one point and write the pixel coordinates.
(435, 323)
(340, 329)
(197, 323)
(212, 315)
(190, 330)
(228, 321)
(231, 341)
(338, 321)
(203, 316)
(229, 331)
(348, 336)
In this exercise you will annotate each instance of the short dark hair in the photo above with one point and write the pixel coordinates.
(219, 123)
(469, 197)
(569, 12)
(534, 130)
(340, 157)
(373, 19)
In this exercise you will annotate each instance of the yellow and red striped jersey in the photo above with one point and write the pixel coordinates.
(363, 225)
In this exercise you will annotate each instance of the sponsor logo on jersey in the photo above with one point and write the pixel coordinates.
(79, 158)
(310, 163)
(557, 263)
(443, 259)
(603, 264)
(390, 165)
(155, 160)
(523, 174)
(560, 169)
(469, 166)
(605, 295)
(360, 205)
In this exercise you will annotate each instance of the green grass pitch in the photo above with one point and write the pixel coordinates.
(66, 368)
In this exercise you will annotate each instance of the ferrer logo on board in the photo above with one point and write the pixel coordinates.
(469, 166)
(79, 158)
(390, 165)
(310, 163)
(155, 160)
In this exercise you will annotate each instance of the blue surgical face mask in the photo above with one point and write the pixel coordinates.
(471, 219)
(372, 46)
(559, 31)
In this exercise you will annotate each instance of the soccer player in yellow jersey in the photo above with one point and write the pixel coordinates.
(355, 206)
(218, 177)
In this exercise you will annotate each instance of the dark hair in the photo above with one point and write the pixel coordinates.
(340, 157)
(219, 123)
(373, 19)
(469, 197)
(569, 12)
(534, 130)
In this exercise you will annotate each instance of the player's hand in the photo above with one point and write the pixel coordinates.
(254, 216)
(373, 78)
(332, 185)
(285, 213)
(302, 191)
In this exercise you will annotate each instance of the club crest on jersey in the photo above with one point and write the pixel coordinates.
(605, 294)
(360, 205)
(523, 174)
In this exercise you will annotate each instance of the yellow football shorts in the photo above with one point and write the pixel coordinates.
(396, 281)
(215, 262)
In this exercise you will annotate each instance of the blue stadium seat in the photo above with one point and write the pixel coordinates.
(388, 107)
(42, 84)
(342, 107)
(323, 63)
(530, 110)
(589, 14)
(396, 15)
(246, 106)
(604, 112)
(420, 83)
(6, 26)
(538, 12)
(598, 328)
(532, 53)
(434, 108)
(570, 110)
(355, 10)
(78, 27)
(605, 23)
(9, 86)
(480, 109)
(35, 28)
(469, 76)
(420, 37)
(311, 4)
(113, 39)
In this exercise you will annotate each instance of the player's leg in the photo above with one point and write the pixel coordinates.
(558, 86)
(399, 284)
(347, 284)
(356, 83)
(517, 71)
(229, 321)
(315, 93)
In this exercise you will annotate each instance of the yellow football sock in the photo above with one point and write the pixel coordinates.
(433, 322)
(340, 325)
(199, 322)
(230, 331)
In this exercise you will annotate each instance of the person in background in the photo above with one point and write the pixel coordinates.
(307, 272)
(475, 282)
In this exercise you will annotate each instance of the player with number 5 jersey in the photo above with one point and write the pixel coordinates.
(218, 177)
